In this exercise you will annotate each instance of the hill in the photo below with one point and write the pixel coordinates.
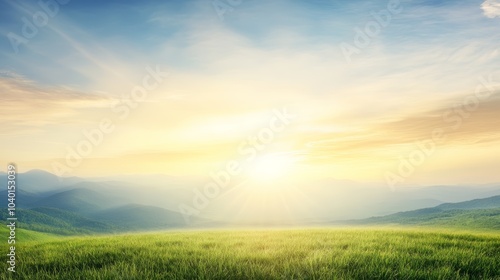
(484, 203)
(78, 200)
(25, 235)
(327, 199)
(140, 217)
(119, 219)
(23, 198)
(38, 181)
(56, 221)
(86, 211)
(479, 214)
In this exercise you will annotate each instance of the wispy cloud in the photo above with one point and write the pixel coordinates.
(26, 104)
(264, 55)
(479, 127)
(491, 8)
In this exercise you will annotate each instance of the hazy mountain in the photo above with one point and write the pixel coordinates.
(75, 220)
(484, 203)
(23, 198)
(38, 181)
(475, 214)
(140, 217)
(297, 203)
(75, 200)
(123, 192)
(78, 205)
(56, 221)
(331, 200)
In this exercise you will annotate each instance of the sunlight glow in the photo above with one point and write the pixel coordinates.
(268, 169)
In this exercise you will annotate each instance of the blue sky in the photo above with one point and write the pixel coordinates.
(124, 27)
(261, 55)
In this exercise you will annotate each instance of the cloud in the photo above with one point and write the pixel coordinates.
(26, 104)
(491, 8)
(461, 128)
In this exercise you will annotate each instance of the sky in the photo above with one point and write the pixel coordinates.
(394, 92)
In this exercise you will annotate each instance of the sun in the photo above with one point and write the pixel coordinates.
(270, 168)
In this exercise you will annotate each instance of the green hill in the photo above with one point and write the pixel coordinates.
(24, 199)
(75, 220)
(132, 217)
(478, 214)
(481, 219)
(25, 235)
(81, 220)
(140, 217)
(76, 200)
(56, 221)
(484, 203)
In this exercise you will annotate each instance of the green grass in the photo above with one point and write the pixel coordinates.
(264, 254)
(23, 236)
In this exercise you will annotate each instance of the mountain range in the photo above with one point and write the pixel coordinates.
(76, 205)
(477, 214)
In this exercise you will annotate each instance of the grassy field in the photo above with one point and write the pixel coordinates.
(262, 254)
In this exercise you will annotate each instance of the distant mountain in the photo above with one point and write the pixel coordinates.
(75, 200)
(23, 198)
(484, 203)
(474, 214)
(38, 181)
(121, 219)
(77, 206)
(456, 193)
(76, 221)
(300, 203)
(56, 221)
(140, 217)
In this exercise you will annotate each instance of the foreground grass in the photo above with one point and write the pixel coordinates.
(265, 254)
